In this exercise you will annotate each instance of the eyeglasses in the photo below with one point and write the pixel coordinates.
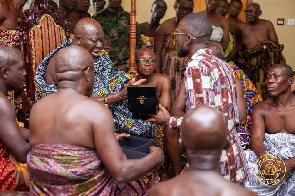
(251, 11)
(185, 9)
(175, 33)
(145, 61)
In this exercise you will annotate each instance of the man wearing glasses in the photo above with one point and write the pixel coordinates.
(260, 47)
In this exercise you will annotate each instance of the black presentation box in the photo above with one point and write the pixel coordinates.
(135, 147)
(142, 99)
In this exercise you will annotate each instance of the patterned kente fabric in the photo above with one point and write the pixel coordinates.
(210, 81)
(9, 37)
(7, 169)
(7, 172)
(106, 75)
(282, 145)
(253, 61)
(147, 41)
(172, 65)
(251, 98)
(57, 169)
(116, 26)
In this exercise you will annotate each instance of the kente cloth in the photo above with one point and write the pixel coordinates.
(282, 145)
(264, 59)
(116, 26)
(217, 34)
(210, 81)
(147, 42)
(57, 169)
(251, 99)
(9, 37)
(106, 76)
(159, 140)
(230, 46)
(7, 169)
(172, 65)
(7, 172)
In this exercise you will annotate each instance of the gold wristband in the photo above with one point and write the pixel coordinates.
(105, 100)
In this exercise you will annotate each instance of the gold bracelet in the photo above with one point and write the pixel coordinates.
(105, 100)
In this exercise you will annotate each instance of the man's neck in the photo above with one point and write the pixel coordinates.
(210, 12)
(283, 100)
(195, 47)
(147, 78)
(153, 22)
(203, 161)
(3, 89)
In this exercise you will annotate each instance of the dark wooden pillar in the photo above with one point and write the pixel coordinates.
(132, 37)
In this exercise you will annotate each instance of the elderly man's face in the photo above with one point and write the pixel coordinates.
(252, 13)
(146, 62)
(115, 3)
(92, 42)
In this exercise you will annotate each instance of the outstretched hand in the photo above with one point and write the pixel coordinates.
(121, 135)
(123, 92)
(162, 117)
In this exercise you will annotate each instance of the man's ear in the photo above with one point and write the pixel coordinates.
(78, 39)
(260, 12)
(3, 72)
(86, 73)
(291, 81)
(188, 40)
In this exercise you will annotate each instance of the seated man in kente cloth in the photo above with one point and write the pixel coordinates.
(110, 84)
(260, 45)
(13, 140)
(74, 150)
(203, 132)
(273, 132)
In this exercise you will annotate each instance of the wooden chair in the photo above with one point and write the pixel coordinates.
(43, 30)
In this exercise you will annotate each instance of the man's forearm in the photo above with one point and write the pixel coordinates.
(258, 147)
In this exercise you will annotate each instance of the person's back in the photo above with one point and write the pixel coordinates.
(77, 134)
(203, 132)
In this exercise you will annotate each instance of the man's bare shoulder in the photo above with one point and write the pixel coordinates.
(4, 104)
(160, 76)
(168, 25)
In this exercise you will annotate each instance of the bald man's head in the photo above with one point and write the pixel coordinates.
(89, 35)
(71, 64)
(9, 56)
(203, 129)
(12, 69)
